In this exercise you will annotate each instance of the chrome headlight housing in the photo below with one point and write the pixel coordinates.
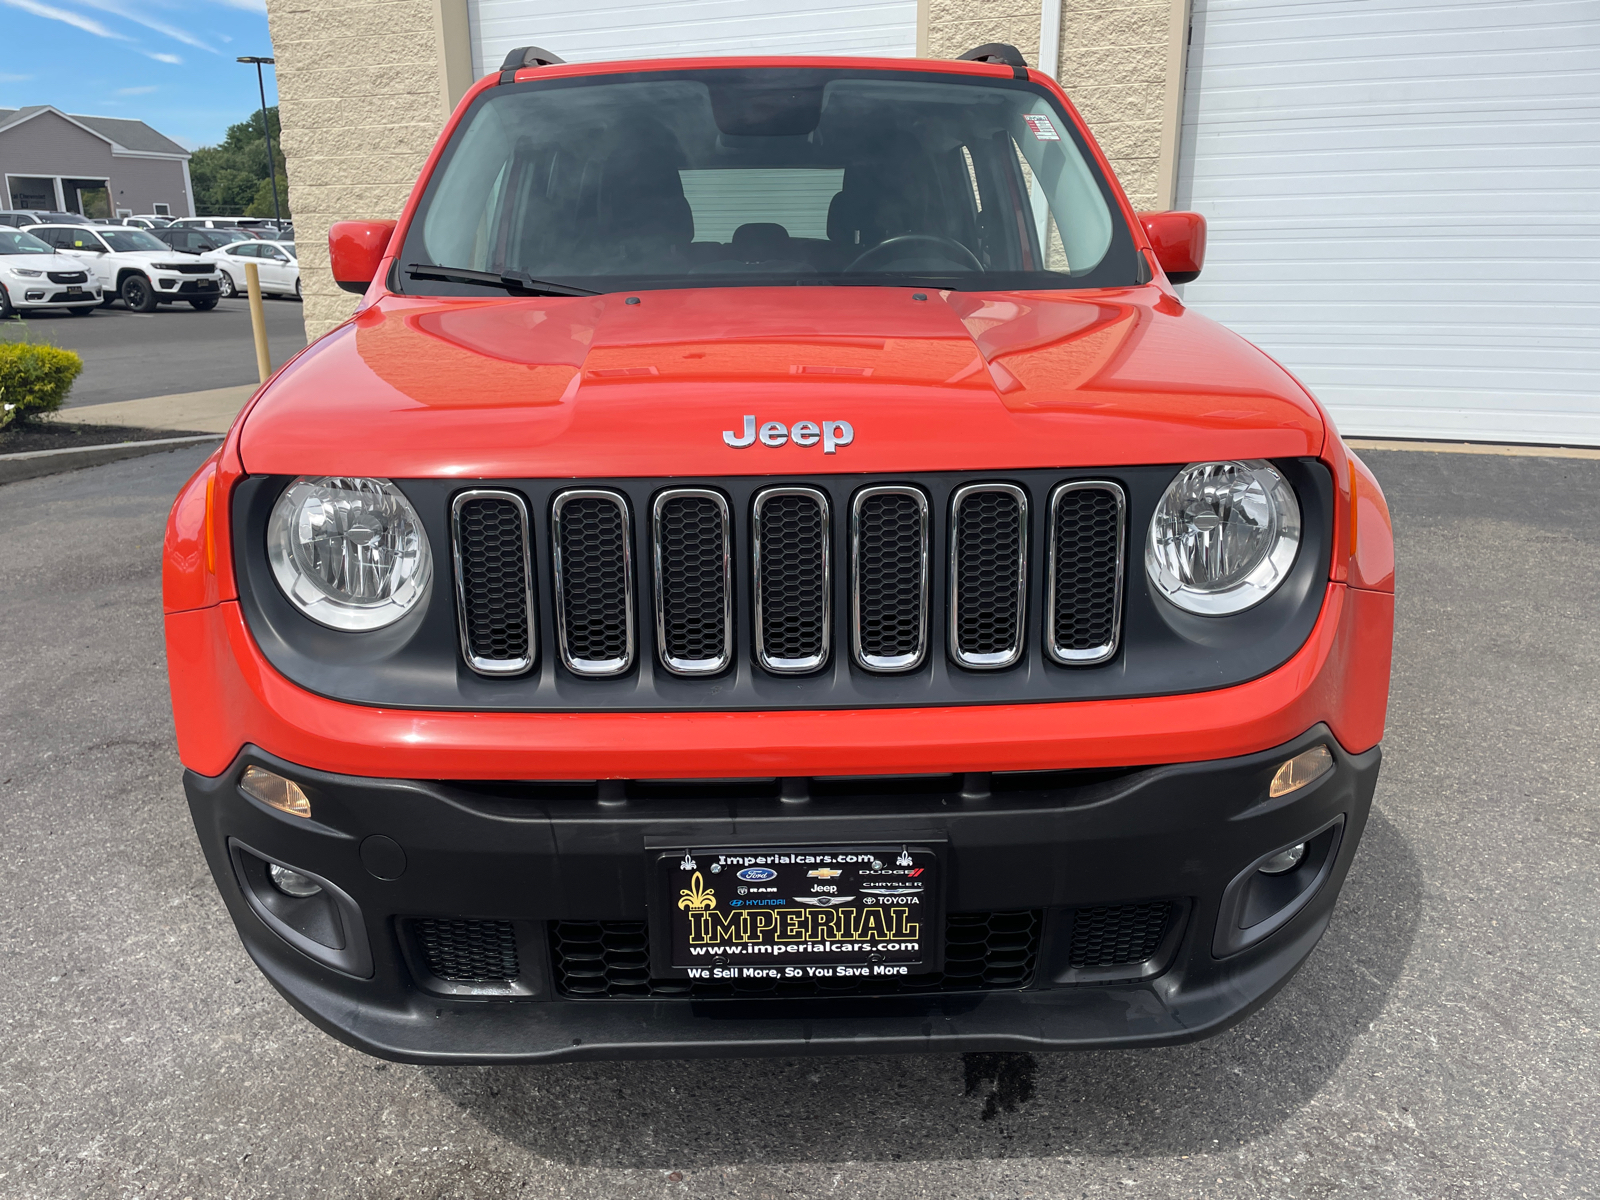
(349, 553)
(1223, 536)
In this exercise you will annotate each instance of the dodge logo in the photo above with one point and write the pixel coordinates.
(832, 434)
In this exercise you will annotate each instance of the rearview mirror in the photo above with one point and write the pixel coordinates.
(1179, 242)
(355, 249)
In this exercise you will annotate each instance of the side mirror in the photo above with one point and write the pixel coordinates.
(1179, 240)
(355, 249)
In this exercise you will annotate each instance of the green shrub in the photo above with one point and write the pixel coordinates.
(34, 379)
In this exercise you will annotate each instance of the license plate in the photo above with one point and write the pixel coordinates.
(785, 912)
(75, 292)
(207, 284)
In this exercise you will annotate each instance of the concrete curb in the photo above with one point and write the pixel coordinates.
(30, 464)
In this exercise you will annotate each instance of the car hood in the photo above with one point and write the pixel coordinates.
(616, 385)
(41, 262)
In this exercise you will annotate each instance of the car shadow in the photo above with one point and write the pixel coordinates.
(689, 1114)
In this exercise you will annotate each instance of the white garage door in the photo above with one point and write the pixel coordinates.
(591, 30)
(1404, 206)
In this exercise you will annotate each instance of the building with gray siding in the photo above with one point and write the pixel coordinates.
(96, 166)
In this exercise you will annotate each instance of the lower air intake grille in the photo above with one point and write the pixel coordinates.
(792, 579)
(1084, 588)
(594, 582)
(891, 578)
(600, 960)
(692, 594)
(1118, 936)
(492, 561)
(987, 573)
(468, 951)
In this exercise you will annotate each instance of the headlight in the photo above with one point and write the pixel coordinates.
(1223, 537)
(350, 553)
(27, 274)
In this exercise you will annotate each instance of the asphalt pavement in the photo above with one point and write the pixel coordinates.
(1442, 1041)
(129, 355)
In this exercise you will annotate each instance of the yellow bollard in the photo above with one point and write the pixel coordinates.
(258, 320)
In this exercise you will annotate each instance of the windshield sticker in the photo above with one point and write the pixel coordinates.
(1042, 128)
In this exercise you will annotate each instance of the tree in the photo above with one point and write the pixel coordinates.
(230, 179)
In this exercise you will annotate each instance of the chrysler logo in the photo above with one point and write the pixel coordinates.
(832, 434)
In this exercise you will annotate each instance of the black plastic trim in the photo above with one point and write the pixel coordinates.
(416, 663)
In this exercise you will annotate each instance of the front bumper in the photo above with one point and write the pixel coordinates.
(1055, 845)
(187, 287)
(53, 295)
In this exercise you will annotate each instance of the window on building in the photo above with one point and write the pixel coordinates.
(161, 210)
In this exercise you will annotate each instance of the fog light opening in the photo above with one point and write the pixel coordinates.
(1284, 861)
(285, 795)
(1304, 768)
(292, 883)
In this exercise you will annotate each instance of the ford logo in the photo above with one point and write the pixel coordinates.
(757, 874)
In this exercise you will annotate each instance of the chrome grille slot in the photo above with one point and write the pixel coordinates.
(693, 581)
(889, 577)
(494, 581)
(593, 559)
(1083, 587)
(793, 584)
(988, 574)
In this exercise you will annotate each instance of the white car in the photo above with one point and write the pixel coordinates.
(33, 275)
(135, 266)
(276, 266)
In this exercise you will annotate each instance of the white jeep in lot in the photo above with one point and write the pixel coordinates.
(135, 266)
(276, 267)
(33, 275)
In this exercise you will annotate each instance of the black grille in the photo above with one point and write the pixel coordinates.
(491, 535)
(1118, 936)
(692, 582)
(191, 268)
(891, 579)
(468, 951)
(1085, 547)
(792, 580)
(598, 960)
(595, 583)
(988, 539)
(68, 276)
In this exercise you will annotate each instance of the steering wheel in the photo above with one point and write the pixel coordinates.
(888, 248)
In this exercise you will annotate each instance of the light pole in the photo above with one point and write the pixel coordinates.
(272, 168)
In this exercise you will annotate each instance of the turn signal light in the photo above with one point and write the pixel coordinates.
(1306, 767)
(285, 794)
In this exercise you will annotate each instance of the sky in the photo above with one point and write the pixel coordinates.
(168, 63)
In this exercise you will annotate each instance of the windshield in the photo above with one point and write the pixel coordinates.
(771, 176)
(287, 248)
(125, 240)
(14, 241)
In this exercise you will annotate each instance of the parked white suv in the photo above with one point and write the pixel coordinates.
(276, 265)
(33, 275)
(132, 264)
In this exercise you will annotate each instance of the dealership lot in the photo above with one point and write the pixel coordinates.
(129, 355)
(1444, 1040)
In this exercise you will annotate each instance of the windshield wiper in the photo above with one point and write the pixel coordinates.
(515, 282)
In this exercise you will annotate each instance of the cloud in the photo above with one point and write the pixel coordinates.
(76, 20)
(255, 6)
(137, 91)
(166, 58)
(15, 78)
(128, 13)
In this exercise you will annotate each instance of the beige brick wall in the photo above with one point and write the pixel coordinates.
(360, 100)
(1114, 66)
(1113, 63)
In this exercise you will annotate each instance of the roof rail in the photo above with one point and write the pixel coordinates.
(526, 56)
(1000, 53)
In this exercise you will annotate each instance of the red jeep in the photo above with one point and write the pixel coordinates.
(773, 567)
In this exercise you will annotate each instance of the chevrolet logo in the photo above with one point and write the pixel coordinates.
(824, 873)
